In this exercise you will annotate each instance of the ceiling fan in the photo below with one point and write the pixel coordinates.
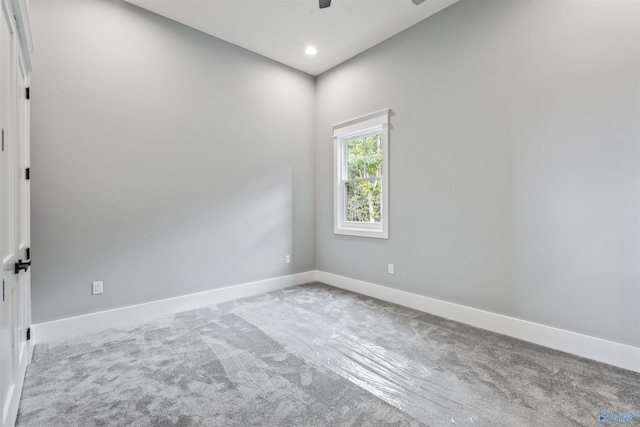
(326, 3)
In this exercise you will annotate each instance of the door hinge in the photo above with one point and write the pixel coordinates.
(28, 334)
(27, 173)
(2, 139)
(28, 93)
(28, 250)
(2, 290)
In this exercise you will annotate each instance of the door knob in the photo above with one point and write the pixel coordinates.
(21, 265)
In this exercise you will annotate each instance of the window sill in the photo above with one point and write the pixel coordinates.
(372, 232)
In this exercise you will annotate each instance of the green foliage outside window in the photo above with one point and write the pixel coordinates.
(364, 163)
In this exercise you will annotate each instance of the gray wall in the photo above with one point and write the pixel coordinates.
(165, 161)
(514, 161)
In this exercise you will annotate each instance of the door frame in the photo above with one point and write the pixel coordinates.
(16, 304)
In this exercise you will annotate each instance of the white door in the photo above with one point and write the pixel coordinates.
(14, 220)
(23, 226)
(24, 213)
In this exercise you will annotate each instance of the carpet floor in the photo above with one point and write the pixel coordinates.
(314, 355)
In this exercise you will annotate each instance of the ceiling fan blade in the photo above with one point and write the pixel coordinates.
(325, 3)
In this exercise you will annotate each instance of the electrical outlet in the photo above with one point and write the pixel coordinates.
(287, 259)
(96, 288)
(390, 269)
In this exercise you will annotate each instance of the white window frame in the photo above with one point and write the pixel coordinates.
(378, 120)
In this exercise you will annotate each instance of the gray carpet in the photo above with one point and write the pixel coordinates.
(315, 356)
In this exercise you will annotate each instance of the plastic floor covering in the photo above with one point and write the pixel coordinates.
(314, 355)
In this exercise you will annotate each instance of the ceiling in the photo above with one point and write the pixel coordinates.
(283, 29)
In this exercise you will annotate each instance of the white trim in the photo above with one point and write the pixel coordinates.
(11, 411)
(378, 121)
(23, 20)
(612, 353)
(621, 355)
(93, 322)
(377, 118)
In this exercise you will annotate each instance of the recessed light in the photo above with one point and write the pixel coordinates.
(311, 50)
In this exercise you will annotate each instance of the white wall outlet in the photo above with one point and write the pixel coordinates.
(390, 269)
(287, 259)
(96, 288)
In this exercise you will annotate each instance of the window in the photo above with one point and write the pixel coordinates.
(361, 152)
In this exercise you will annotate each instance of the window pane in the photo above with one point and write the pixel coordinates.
(374, 144)
(374, 166)
(355, 148)
(363, 201)
(355, 158)
(356, 168)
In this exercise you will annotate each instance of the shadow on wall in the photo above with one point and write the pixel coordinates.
(238, 233)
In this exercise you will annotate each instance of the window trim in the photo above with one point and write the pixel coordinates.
(341, 132)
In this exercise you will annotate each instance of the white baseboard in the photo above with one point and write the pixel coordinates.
(621, 355)
(612, 353)
(93, 322)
